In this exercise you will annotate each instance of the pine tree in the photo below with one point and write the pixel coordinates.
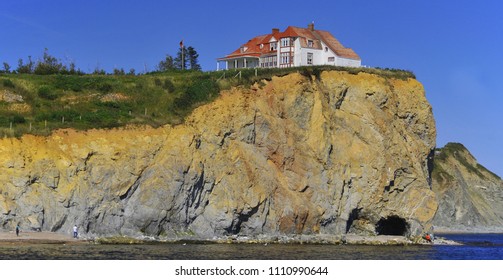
(181, 62)
(192, 57)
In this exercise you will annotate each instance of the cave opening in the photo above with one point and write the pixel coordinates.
(392, 225)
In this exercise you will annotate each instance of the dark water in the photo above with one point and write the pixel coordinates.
(477, 247)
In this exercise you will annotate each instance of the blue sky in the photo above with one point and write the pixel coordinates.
(453, 47)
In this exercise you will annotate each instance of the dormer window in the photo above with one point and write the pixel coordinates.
(261, 46)
(310, 43)
(274, 46)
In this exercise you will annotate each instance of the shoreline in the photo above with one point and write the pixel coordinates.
(34, 237)
(349, 239)
(467, 231)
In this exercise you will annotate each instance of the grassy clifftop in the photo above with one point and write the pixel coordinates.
(38, 104)
(457, 153)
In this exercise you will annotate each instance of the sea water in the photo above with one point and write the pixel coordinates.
(476, 247)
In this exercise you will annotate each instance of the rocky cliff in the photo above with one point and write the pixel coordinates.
(470, 197)
(333, 154)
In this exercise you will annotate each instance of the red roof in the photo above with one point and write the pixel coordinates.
(336, 46)
(251, 48)
(260, 45)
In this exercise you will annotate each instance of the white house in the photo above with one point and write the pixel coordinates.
(294, 47)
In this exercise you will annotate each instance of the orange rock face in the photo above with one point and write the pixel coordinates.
(295, 155)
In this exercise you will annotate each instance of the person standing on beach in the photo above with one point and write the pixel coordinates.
(17, 230)
(75, 232)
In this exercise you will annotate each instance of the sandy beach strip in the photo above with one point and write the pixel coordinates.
(37, 237)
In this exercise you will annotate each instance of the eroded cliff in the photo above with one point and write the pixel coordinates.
(470, 197)
(294, 155)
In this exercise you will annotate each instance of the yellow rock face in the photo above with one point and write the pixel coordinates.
(296, 156)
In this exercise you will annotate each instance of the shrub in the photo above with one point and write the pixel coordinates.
(105, 87)
(49, 65)
(4, 121)
(57, 116)
(199, 91)
(8, 83)
(168, 85)
(114, 105)
(102, 118)
(73, 83)
(47, 92)
(17, 119)
(203, 90)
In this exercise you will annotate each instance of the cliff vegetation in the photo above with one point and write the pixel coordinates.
(38, 104)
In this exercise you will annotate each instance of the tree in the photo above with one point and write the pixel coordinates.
(72, 70)
(6, 67)
(119, 71)
(192, 57)
(181, 58)
(98, 70)
(166, 64)
(25, 68)
(49, 65)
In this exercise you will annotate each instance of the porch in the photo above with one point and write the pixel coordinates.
(237, 62)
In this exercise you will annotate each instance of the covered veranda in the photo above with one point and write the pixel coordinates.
(227, 63)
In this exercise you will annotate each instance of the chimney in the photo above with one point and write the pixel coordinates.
(311, 26)
(275, 30)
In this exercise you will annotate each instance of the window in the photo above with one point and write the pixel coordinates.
(272, 61)
(309, 58)
(269, 61)
(285, 42)
(274, 46)
(243, 49)
(331, 59)
(285, 58)
(310, 43)
(326, 49)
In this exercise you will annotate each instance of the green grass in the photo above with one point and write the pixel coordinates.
(457, 151)
(440, 175)
(106, 101)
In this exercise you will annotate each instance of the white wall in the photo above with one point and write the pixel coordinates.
(340, 61)
(301, 55)
(320, 57)
(298, 56)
